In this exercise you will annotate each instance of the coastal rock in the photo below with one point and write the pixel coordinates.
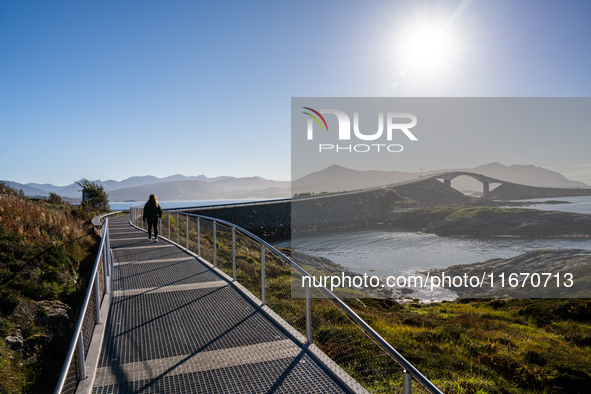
(58, 318)
(36, 344)
(489, 221)
(14, 342)
(552, 262)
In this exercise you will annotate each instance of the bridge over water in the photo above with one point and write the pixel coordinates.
(177, 316)
(486, 181)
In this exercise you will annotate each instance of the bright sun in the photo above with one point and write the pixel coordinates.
(426, 50)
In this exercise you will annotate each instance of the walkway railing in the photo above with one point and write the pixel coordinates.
(233, 205)
(319, 316)
(74, 369)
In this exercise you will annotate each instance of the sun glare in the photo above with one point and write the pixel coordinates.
(426, 50)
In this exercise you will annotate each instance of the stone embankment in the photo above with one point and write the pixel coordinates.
(263, 220)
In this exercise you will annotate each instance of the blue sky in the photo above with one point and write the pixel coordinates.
(108, 90)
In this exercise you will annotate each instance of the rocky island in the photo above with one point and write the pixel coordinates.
(492, 221)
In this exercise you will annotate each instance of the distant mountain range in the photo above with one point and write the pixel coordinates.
(174, 187)
(337, 178)
(331, 179)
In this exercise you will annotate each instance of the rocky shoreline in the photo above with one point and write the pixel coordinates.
(576, 262)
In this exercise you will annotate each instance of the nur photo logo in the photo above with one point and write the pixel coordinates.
(394, 124)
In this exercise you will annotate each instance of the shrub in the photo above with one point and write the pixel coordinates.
(96, 197)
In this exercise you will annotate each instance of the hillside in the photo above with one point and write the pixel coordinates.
(46, 255)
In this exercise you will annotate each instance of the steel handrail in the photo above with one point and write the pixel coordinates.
(77, 339)
(231, 205)
(98, 221)
(397, 357)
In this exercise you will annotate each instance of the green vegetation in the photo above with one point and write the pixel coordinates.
(491, 346)
(462, 213)
(96, 197)
(47, 250)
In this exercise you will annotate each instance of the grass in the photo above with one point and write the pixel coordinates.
(46, 252)
(461, 213)
(491, 346)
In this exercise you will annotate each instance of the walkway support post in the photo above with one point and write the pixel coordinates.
(97, 296)
(234, 253)
(187, 219)
(105, 275)
(308, 314)
(177, 229)
(215, 261)
(110, 256)
(263, 275)
(198, 237)
(169, 226)
(406, 383)
(81, 366)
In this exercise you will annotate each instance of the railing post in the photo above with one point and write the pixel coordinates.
(215, 262)
(406, 383)
(105, 274)
(263, 275)
(169, 226)
(109, 254)
(177, 228)
(234, 253)
(198, 237)
(308, 314)
(97, 295)
(160, 226)
(81, 366)
(187, 219)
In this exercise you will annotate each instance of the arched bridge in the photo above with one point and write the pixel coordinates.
(447, 177)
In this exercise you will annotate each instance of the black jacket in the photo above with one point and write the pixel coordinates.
(152, 212)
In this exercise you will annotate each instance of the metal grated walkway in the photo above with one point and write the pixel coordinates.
(175, 326)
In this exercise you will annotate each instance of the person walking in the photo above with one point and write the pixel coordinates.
(152, 213)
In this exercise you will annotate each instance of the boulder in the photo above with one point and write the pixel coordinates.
(14, 342)
(58, 318)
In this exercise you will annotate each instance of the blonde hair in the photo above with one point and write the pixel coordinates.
(153, 199)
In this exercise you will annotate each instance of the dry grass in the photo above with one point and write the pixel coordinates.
(46, 251)
(39, 223)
